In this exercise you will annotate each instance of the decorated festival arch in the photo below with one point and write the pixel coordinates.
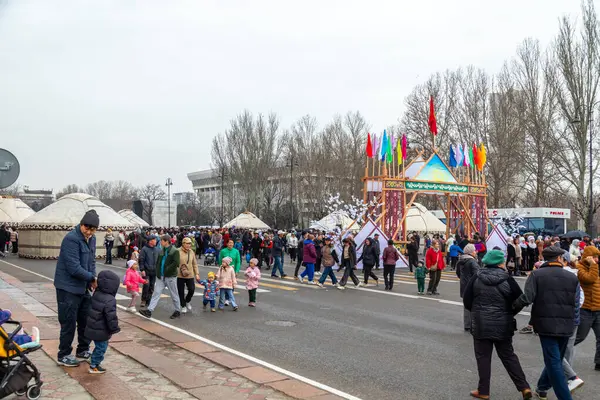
(393, 184)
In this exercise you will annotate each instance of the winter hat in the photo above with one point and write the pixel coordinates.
(493, 257)
(91, 218)
(135, 248)
(131, 263)
(211, 275)
(551, 252)
(227, 260)
(469, 249)
(186, 240)
(590, 251)
(254, 261)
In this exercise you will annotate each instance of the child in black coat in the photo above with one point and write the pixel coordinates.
(102, 320)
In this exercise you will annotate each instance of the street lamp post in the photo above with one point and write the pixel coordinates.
(222, 176)
(590, 213)
(291, 165)
(168, 185)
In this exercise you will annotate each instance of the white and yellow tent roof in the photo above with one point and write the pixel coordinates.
(246, 220)
(13, 211)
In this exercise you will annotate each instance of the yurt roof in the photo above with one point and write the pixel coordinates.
(13, 211)
(422, 220)
(246, 220)
(67, 212)
(133, 218)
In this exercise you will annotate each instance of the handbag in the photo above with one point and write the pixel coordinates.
(183, 269)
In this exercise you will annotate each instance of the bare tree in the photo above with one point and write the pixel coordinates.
(101, 189)
(12, 190)
(72, 188)
(149, 194)
(574, 75)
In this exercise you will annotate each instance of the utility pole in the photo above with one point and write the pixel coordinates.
(292, 163)
(222, 196)
(168, 185)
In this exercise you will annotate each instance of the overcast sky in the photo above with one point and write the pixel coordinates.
(136, 90)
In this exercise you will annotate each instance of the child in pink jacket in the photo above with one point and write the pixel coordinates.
(132, 282)
(227, 283)
(253, 275)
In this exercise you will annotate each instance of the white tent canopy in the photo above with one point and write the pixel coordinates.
(246, 220)
(41, 234)
(420, 219)
(337, 219)
(13, 211)
(133, 218)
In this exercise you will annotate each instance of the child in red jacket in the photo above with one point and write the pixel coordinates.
(132, 282)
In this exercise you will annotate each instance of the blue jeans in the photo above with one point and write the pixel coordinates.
(590, 320)
(98, 354)
(229, 293)
(328, 271)
(206, 301)
(310, 271)
(278, 265)
(553, 376)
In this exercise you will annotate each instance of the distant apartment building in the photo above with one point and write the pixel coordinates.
(36, 198)
(184, 197)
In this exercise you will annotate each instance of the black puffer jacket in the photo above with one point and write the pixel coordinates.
(369, 255)
(489, 297)
(102, 320)
(466, 268)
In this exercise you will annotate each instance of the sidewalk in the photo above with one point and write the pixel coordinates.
(145, 360)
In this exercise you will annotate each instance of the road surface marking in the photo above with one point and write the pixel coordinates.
(248, 357)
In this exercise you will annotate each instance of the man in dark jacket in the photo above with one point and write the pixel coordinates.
(412, 250)
(278, 255)
(102, 321)
(489, 296)
(377, 249)
(167, 266)
(349, 261)
(300, 259)
(553, 293)
(147, 263)
(74, 278)
(466, 268)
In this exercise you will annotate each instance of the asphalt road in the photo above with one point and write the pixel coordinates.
(366, 342)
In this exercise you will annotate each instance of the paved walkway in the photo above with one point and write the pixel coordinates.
(145, 360)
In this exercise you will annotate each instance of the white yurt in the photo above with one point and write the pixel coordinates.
(246, 220)
(13, 211)
(335, 220)
(421, 220)
(133, 218)
(41, 234)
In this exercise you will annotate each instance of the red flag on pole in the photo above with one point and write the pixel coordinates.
(369, 146)
(432, 121)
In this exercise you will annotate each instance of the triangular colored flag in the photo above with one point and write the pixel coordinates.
(475, 156)
(458, 155)
(452, 158)
(369, 146)
(465, 152)
(471, 158)
(388, 151)
(399, 151)
(483, 155)
(384, 144)
(432, 120)
(375, 144)
(404, 146)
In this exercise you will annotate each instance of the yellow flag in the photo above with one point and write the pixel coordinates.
(399, 151)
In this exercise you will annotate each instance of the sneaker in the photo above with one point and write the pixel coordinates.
(527, 394)
(226, 302)
(296, 278)
(175, 314)
(301, 279)
(183, 310)
(358, 285)
(97, 370)
(436, 293)
(68, 361)
(235, 308)
(526, 330)
(575, 384)
(319, 284)
(274, 276)
(340, 287)
(132, 309)
(317, 273)
(204, 306)
(188, 306)
(540, 394)
(475, 393)
(429, 293)
(84, 355)
(365, 285)
(284, 276)
(146, 313)
(253, 304)
(213, 310)
(311, 283)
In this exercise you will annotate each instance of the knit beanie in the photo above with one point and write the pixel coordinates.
(493, 257)
(91, 218)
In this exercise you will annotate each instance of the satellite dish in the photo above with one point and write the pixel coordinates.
(9, 168)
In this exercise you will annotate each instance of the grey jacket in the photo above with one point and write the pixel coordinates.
(148, 257)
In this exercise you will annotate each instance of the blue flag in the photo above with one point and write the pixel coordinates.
(384, 145)
(452, 158)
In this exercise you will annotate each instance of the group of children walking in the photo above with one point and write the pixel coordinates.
(217, 286)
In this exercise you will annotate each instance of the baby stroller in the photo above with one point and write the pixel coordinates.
(210, 256)
(16, 369)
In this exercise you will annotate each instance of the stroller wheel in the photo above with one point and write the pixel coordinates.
(21, 392)
(34, 392)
